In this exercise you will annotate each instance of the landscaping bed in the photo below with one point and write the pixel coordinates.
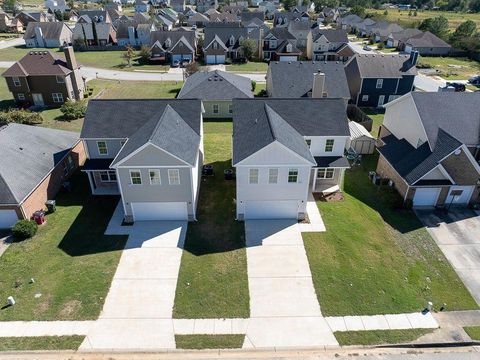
(375, 259)
(213, 281)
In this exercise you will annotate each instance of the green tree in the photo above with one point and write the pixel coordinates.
(249, 47)
(358, 10)
(9, 5)
(145, 53)
(437, 26)
(289, 4)
(129, 54)
(465, 29)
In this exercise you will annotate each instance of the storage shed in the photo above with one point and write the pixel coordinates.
(360, 139)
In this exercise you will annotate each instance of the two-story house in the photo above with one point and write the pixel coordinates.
(47, 35)
(94, 30)
(376, 79)
(172, 46)
(347, 22)
(41, 79)
(328, 44)
(133, 33)
(279, 45)
(150, 152)
(142, 6)
(282, 150)
(430, 146)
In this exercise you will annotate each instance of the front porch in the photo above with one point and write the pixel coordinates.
(327, 176)
(103, 180)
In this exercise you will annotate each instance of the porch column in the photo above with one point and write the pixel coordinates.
(89, 174)
(342, 176)
(314, 182)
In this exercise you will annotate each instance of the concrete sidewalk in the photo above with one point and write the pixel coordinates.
(316, 223)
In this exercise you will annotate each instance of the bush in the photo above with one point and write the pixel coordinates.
(380, 45)
(24, 229)
(145, 53)
(254, 85)
(20, 116)
(72, 110)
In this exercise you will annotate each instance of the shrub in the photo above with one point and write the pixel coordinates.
(380, 45)
(72, 110)
(254, 85)
(145, 53)
(24, 229)
(20, 116)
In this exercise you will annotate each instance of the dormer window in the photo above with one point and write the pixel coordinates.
(215, 46)
(289, 48)
(168, 43)
(232, 40)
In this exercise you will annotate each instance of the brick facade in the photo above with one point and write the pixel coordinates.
(385, 170)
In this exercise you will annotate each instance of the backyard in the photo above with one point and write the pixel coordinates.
(382, 257)
(451, 68)
(212, 282)
(64, 271)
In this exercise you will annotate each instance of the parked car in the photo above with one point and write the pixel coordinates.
(474, 80)
(457, 86)
(367, 48)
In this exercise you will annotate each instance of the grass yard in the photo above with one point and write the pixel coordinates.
(452, 68)
(473, 332)
(259, 88)
(41, 343)
(248, 67)
(402, 18)
(198, 342)
(379, 337)
(374, 259)
(213, 274)
(70, 259)
(377, 118)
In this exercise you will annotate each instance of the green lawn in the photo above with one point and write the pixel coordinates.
(473, 332)
(377, 118)
(213, 274)
(248, 67)
(197, 342)
(452, 68)
(71, 261)
(379, 337)
(374, 259)
(259, 87)
(40, 343)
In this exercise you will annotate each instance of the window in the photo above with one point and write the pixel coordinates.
(16, 81)
(154, 177)
(173, 176)
(215, 46)
(215, 108)
(230, 108)
(135, 177)
(232, 40)
(365, 98)
(272, 176)
(60, 79)
(253, 176)
(102, 147)
(293, 175)
(309, 142)
(70, 162)
(57, 97)
(379, 83)
(108, 176)
(21, 96)
(329, 145)
(325, 173)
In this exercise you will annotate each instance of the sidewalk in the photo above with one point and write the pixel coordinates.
(316, 222)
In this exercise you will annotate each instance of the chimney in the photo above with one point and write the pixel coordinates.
(70, 57)
(414, 58)
(318, 85)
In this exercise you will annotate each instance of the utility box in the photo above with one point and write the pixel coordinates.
(51, 206)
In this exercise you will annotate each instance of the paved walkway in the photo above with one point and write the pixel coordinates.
(138, 309)
(315, 219)
(13, 42)
(284, 309)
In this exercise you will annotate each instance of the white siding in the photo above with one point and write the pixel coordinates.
(317, 148)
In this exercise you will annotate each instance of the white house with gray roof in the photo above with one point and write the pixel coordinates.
(150, 152)
(282, 150)
(216, 89)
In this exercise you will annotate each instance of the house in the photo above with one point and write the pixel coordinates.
(329, 14)
(257, 23)
(47, 35)
(430, 140)
(425, 44)
(26, 17)
(142, 6)
(279, 45)
(380, 31)
(325, 44)
(235, 9)
(255, 3)
(268, 8)
(94, 32)
(347, 22)
(150, 152)
(41, 79)
(56, 5)
(377, 79)
(114, 11)
(300, 29)
(98, 15)
(216, 89)
(223, 17)
(284, 18)
(34, 164)
(300, 78)
(178, 5)
(132, 33)
(223, 41)
(171, 46)
(362, 28)
(248, 16)
(198, 20)
(9, 24)
(394, 39)
(210, 12)
(283, 149)
(204, 5)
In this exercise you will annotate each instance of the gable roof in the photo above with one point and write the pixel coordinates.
(92, 13)
(216, 85)
(382, 66)
(281, 33)
(350, 19)
(426, 39)
(225, 31)
(384, 28)
(38, 63)
(332, 35)
(295, 79)
(405, 34)
(50, 30)
(174, 36)
(259, 122)
(247, 16)
(29, 153)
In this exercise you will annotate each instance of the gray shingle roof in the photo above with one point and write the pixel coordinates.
(405, 34)
(259, 122)
(216, 85)
(426, 40)
(224, 31)
(29, 153)
(50, 30)
(174, 36)
(332, 35)
(295, 79)
(382, 66)
(38, 63)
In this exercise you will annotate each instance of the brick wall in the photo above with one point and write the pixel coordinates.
(385, 170)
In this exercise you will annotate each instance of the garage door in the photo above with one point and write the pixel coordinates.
(462, 195)
(143, 211)
(7, 218)
(215, 59)
(288, 58)
(425, 196)
(271, 210)
(408, 49)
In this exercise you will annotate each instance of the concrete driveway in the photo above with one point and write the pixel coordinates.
(457, 234)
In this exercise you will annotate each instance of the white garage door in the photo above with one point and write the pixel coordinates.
(8, 218)
(143, 211)
(408, 49)
(459, 199)
(288, 58)
(271, 210)
(425, 196)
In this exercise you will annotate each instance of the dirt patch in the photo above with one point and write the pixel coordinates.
(70, 308)
(336, 196)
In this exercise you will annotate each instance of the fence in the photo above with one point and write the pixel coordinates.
(357, 115)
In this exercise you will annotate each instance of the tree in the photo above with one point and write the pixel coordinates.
(289, 4)
(358, 10)
(437, 26)
(466, 37)
(474, 6)
(249, 47)
(10, 5)
(73, 110)
(465, 29)
(129, 54)
(145, 53)
(191, 69)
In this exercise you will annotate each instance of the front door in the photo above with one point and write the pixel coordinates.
(38, 99)
(381, 100)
